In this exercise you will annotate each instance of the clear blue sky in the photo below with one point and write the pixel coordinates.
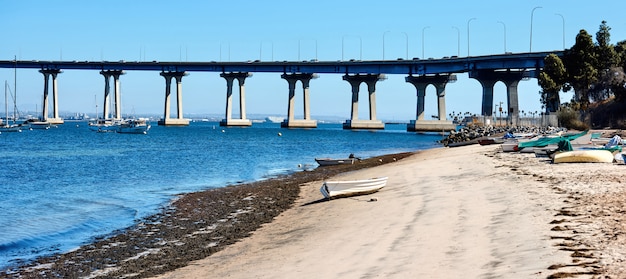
(248, 30)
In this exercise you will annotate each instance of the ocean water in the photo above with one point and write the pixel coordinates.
(65, 186)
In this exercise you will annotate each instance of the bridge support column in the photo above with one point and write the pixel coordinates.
(512, 101)
(511, 79)
(117, 95)
(55, 97)
(242, 120)
(420, 83)
(355, 81)
(291, 122)
(179, 120)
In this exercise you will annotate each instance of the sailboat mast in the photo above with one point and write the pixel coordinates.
(15, 90)
(95, 101)
(6, 103)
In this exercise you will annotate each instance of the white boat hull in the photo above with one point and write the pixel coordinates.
(134, 126)
(11, 128)
(103, 128)
(133, 130)
(334, 189)
(584, 156)
(39, 125)
(509, 146)
(104, 125)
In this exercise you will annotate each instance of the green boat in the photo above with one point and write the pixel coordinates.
(545, 141)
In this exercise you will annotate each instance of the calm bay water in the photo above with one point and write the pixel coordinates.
(64, 186)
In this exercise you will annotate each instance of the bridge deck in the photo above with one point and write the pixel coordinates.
(508, 61)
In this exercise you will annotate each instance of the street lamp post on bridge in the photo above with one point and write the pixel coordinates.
(468, 35)
(228, 52)
(261, 51)
(423, 29)
(384, 33)
(531, 27)
(406, 39)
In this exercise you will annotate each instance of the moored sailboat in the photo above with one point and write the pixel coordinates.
(5, 126)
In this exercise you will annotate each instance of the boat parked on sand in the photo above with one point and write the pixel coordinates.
(347, 188)
(331, 162)
(548, 140)
(584, 156)
(488, 141)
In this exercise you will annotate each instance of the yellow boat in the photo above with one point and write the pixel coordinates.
(584, 156)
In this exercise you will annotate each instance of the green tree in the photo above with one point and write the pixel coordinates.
(579, 62)
(607, 57)
(620, 89)
(552, 80)
(620, 50)
(606, 64)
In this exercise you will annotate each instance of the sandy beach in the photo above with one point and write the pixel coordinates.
(467, 212)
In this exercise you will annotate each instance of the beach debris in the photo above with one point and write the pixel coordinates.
(472, 132)
(280, 134)
(373, 199)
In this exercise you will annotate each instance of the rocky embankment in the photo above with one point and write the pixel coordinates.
(471, 134)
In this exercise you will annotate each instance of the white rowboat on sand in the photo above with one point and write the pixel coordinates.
(584, 156)
(333, 189)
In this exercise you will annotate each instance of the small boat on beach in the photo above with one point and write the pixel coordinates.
(347, 188)
(545, 152)
(488, 141)
(331, 162)
(510, 146)
(584, 156)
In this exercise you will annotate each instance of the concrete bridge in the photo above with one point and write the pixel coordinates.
(510, 68)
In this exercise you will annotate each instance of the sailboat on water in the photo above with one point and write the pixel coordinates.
(5, 126)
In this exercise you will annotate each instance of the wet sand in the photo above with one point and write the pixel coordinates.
(465, 212)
